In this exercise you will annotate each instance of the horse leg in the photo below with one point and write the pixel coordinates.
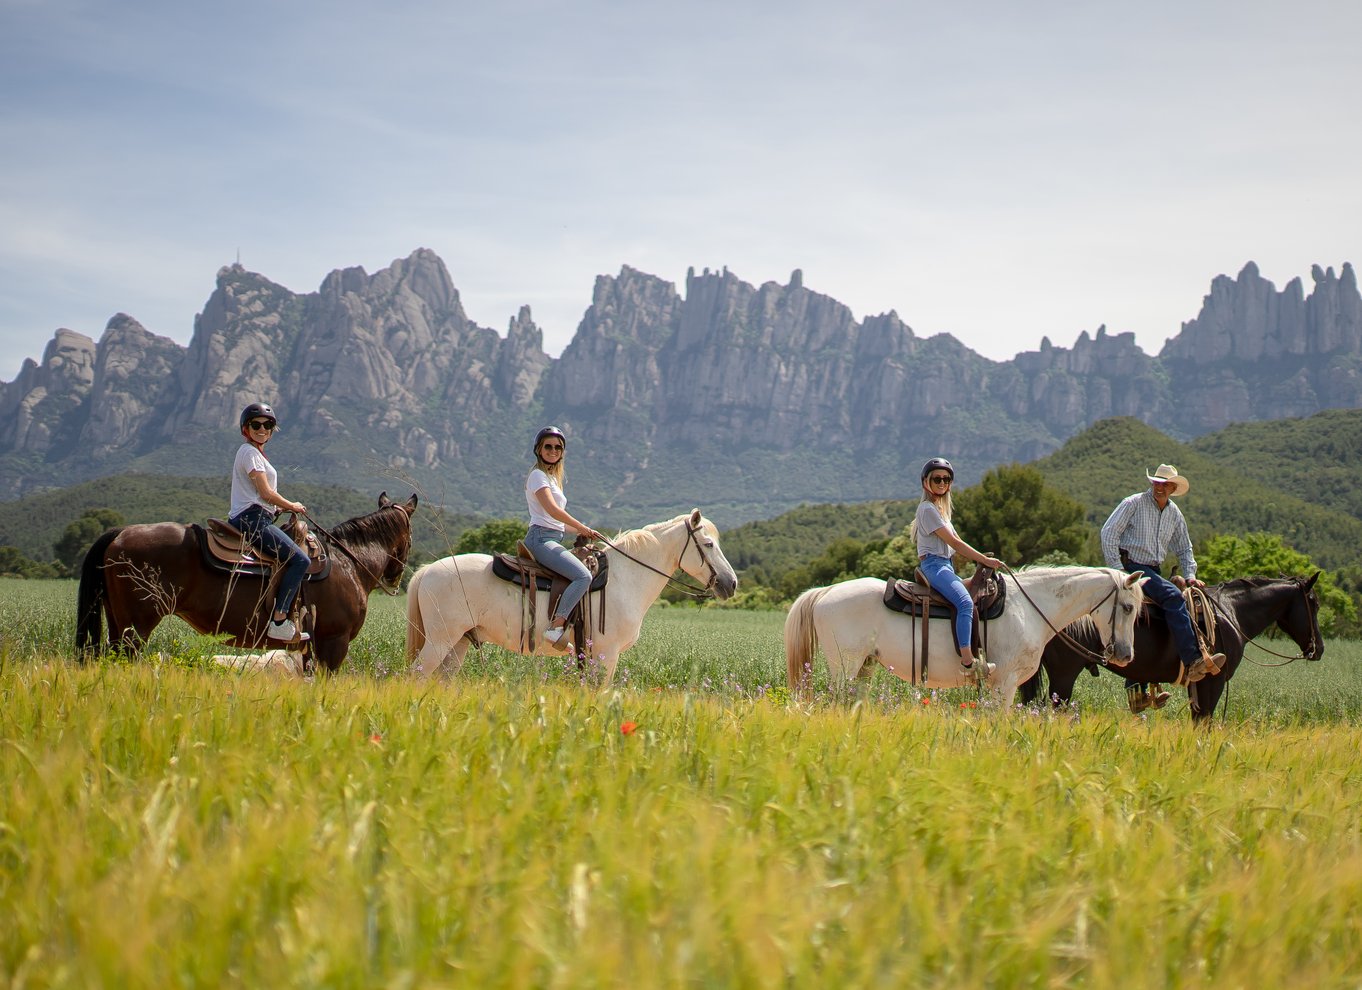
(331, 652)
(1204, 695)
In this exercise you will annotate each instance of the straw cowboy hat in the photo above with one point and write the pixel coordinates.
(1168, 473)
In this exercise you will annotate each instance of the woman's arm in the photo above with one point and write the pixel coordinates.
(965, 550)
(562, 515)
(272, 497)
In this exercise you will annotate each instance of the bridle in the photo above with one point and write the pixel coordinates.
(1109, 648)
(391, 591)
(693, 590)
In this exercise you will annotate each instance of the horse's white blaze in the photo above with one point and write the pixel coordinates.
(850, 622)
(457, 599)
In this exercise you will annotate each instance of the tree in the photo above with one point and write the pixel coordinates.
(1224, 558)
(80, 533)
(1014, 515)
(496, 536)
(840, 561)
(13, 563)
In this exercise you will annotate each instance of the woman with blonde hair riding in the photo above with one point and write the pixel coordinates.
(937, 543)
(549, 521)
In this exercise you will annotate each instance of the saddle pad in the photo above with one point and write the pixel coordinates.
(503, 566)
(244, 568)
(905, 596)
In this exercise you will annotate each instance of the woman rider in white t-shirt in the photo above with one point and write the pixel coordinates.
(936, 543)
(549, 520)
(255, 502)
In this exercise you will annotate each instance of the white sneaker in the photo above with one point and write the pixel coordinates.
(555, 633)
(286, 631)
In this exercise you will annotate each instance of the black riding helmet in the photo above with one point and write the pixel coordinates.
(937, 463)
(258, 409)
(548, 431)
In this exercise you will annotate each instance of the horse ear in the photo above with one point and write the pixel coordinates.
(695, 517)
(1311, 583)
(383, 500)
(1134, 579)
(410, 504)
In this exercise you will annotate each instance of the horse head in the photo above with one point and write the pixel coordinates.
(1125, 609)
(1301, 621)
(710, 566)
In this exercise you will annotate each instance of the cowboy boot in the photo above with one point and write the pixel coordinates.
(1214, 661)
(1195, 671)
(1137, 698)
(1159, 697)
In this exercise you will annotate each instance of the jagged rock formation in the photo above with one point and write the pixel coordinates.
(752, 398)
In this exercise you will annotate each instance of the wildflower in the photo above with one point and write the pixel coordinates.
(628, 727)
(376, 739)
(926, 700)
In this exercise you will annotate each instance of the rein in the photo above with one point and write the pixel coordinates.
(1073, 644)
(686, 588)
(1248, 641)
(330, 538)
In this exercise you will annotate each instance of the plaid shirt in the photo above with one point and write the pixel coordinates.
(1146, 534)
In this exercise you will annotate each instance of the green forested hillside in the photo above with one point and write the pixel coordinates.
(34, 523)
(1250, 487)
(1318, 458)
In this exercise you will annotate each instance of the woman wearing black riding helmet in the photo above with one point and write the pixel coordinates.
(255, 502)
(549, 520)
(937, 542)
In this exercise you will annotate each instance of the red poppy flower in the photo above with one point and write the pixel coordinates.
(628, 727)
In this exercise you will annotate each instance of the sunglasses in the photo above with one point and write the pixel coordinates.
(262, 424)
(941, 479)
(551, 446)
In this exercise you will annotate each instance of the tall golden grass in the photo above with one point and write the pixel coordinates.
(162, 824)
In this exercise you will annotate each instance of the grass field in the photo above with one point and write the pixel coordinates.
(168, 824)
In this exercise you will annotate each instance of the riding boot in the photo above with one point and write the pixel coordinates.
(1195, 670)
(1159, 697)
(1137, 698)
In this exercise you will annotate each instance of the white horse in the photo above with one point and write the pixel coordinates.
(855, 628)
(457, 601)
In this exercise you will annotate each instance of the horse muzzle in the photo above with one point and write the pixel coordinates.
(725, 586)
(1119, 654)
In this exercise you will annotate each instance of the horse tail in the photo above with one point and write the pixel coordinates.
(801, 641)
(416, 630)
(90, 597)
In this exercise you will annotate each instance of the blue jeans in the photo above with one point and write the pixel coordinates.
(257, 525)
(1166, 595)
(543, 543)
(942, 577)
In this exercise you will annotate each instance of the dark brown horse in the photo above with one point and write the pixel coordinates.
(137, 575)
(1244, 608)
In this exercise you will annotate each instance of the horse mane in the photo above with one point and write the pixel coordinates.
(636, 540)
(383, 526)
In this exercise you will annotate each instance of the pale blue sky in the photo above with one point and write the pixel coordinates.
(998, 170)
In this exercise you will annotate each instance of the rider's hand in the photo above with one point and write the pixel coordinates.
(992, 562)
(297, 507)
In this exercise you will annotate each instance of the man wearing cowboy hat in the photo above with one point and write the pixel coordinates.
(1137, 537)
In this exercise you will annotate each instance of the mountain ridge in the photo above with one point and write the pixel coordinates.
(742, 399)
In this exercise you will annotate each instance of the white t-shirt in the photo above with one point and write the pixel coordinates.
(244, 492)
(929, 520)
(538, 517)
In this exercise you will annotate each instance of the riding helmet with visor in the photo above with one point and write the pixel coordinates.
(257, 409)
(545, 433)
(937, 464)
